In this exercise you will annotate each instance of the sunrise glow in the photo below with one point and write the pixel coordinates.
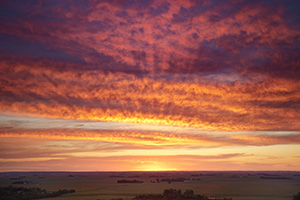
(149, 85)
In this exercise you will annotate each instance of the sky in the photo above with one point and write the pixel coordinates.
(144, 85)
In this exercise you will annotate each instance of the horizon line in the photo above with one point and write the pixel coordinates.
(148, 171)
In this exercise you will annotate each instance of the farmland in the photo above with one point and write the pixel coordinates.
(107, 185)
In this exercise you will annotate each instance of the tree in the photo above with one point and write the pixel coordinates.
(188, 193)
(172, 193)
(297, 196)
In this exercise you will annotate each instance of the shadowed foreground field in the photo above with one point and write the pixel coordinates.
(126, 185)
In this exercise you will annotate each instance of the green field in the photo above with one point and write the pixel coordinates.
(104, 186)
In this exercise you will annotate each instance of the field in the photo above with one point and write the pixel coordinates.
(105, 186)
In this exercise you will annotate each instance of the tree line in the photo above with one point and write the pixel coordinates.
(174, 194)
(22, 193)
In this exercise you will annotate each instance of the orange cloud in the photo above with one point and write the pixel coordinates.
(181, 75)
(73, 150)
(117, 97)
(226, 66)
(140, 163)
(155, 138)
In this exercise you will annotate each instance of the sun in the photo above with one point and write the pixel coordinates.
(155, 167)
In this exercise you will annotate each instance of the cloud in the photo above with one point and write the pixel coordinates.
(178, 37)
(41, 151)
(44, 153)
(41, 89)
(134, 163)
(204, 74)
(229, 66)
(156, 139)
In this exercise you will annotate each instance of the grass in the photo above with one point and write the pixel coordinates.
(93, 186)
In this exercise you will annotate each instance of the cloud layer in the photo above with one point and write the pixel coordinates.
(229, 70)
(228, 66)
